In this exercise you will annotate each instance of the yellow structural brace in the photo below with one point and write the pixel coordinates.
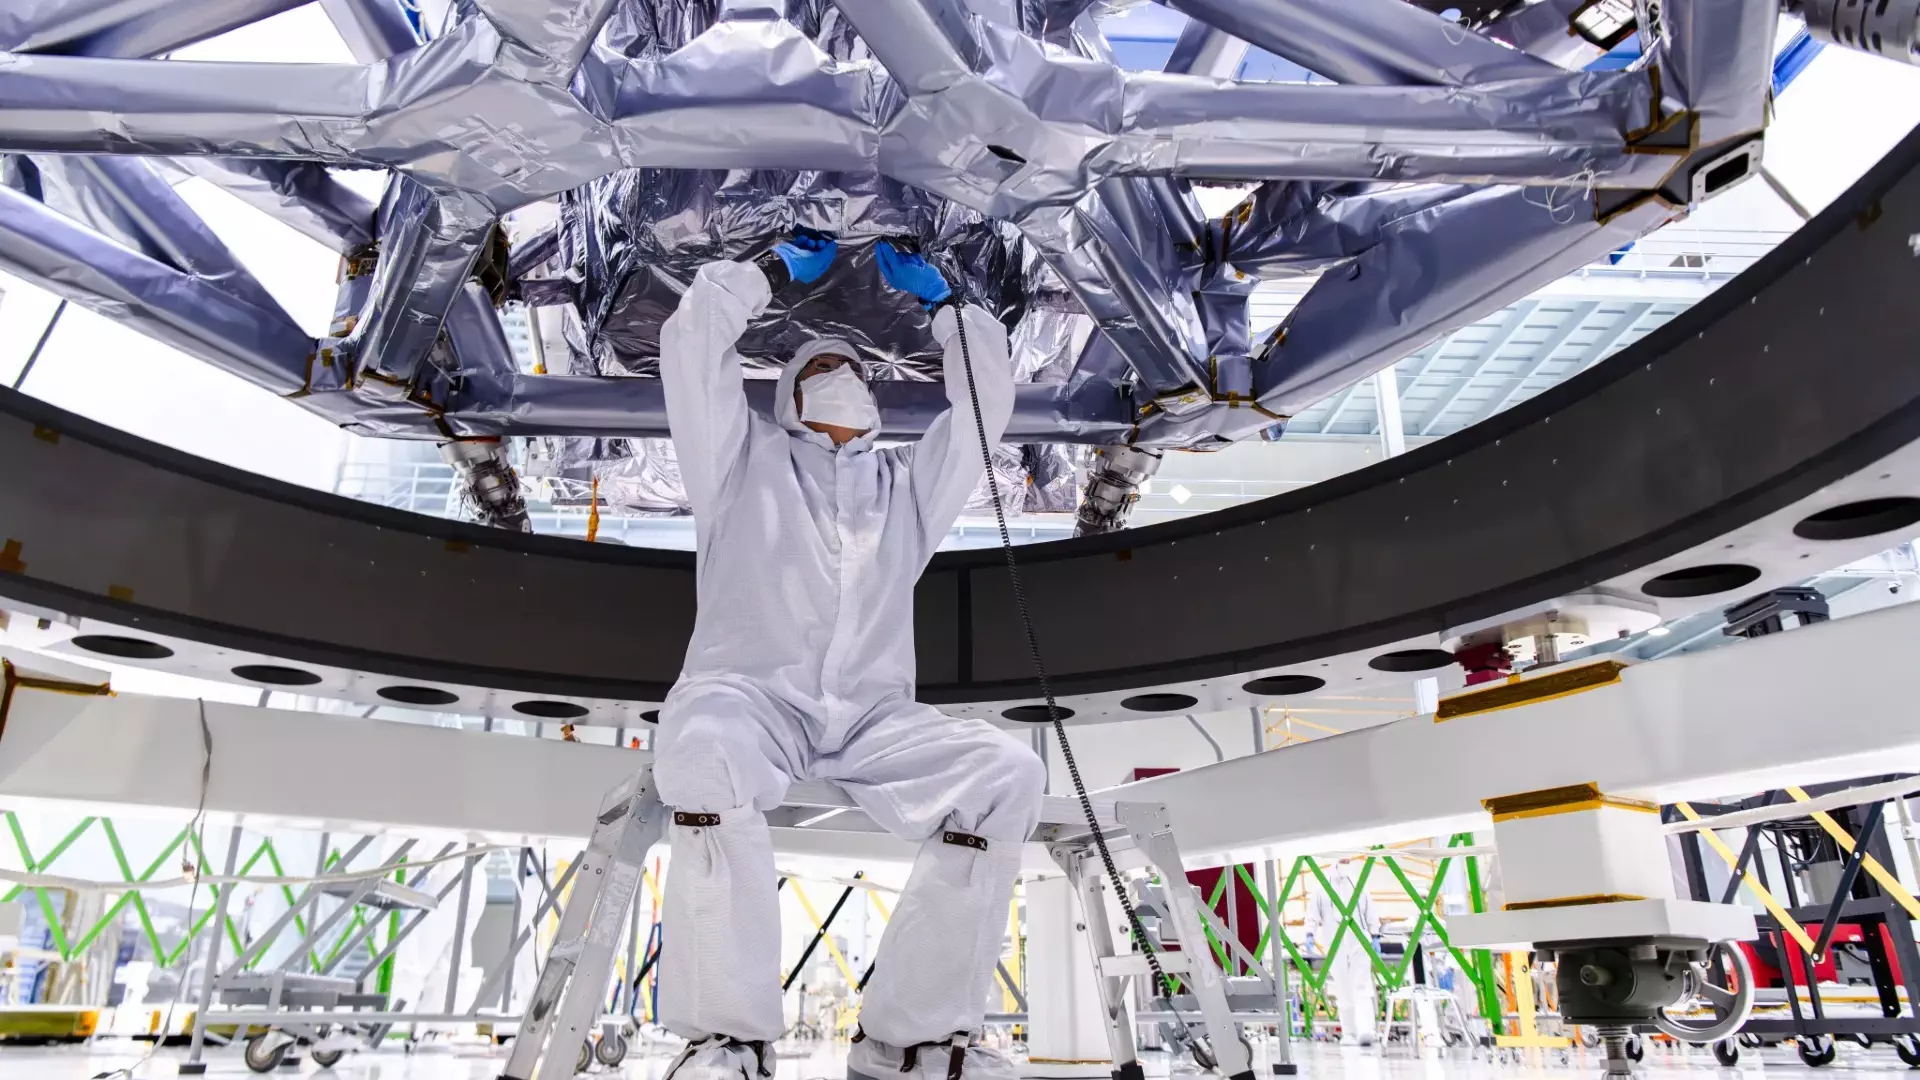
(1520, 988)
(825, 938)
(1759, 891)
(1870, 864)
(1013, 967)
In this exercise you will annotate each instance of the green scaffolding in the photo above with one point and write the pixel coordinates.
(69, 944)
(1475, 966)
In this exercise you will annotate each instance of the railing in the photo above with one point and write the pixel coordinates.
(1678, 251)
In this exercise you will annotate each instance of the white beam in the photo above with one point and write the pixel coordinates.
(139, 754)
(1711, 723)
(132, 752)
(1753, 716)
(1386, 407)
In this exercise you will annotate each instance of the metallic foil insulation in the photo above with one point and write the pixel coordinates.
(1444, 171)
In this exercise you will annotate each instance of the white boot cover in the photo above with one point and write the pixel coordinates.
(720, 933)
(871, 1059)
(935, 963)
(721, 1058)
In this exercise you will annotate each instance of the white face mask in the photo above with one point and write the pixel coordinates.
(838, 397)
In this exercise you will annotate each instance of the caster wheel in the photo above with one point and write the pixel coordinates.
(1751, 1042)
(262, 1057)
(1727, 1052)
(1816, 1050)
(1908, 1047)
(1203, 1055)
(1636, 1049)
(585, 1060)
(611, 1050)
(326, 1059)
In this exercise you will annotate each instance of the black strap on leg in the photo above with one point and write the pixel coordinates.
(957, 1059)
(965, 840)
(956, 1056)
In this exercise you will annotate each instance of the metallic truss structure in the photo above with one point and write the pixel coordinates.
(1449, 167)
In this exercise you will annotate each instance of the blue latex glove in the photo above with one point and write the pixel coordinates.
(806, 256)
(910, 273)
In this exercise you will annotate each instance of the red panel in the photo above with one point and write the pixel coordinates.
(1247, 910)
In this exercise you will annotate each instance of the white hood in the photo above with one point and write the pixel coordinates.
(783, 410)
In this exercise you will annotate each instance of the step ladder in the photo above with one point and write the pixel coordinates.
(577, 975)
(578, 971)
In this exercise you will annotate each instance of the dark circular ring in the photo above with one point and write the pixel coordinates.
(276, 675)
(1853, 520)
(130, 648)
(1160, 703)
(1701, 580)
(1035, 714)
(1283, 685)
(418, 695)
(550, 710)
(1409, 660)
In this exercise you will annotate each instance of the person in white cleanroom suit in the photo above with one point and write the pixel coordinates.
(1350, 979)
(801, 666)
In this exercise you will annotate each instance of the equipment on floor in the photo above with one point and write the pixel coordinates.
(1588, 886)
(1838, 923)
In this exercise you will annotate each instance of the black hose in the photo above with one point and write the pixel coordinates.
(1162, 988)
(34, 356)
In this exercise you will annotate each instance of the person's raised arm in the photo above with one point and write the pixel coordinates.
(947, 465)
(706, 402)
(948, 462)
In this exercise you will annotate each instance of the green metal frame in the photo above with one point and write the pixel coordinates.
(69, 945)
(1475, 965)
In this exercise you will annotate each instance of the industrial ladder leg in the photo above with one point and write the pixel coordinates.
(1089, 887)
(1152, 830)
(574, 979)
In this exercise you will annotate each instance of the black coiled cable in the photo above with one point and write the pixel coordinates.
(1161, 987)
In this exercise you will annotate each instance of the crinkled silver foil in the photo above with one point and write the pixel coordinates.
(635, 239)
(1447, 175)
(629, 244)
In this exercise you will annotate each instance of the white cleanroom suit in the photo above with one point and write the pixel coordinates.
(1350, 975)
(801, 666)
